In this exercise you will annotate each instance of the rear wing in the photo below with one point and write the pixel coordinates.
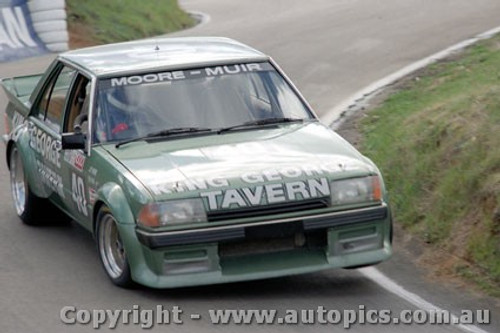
(19, 90)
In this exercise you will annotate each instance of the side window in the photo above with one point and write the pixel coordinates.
(78, 106)
(51, 106)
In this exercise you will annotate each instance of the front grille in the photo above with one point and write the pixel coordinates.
(288, 207)
(265, 244)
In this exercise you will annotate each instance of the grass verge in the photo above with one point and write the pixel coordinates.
(437, 141)
(101, 22)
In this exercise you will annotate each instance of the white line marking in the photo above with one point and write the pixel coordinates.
(334, 116)
(379, 278)
(202, 18)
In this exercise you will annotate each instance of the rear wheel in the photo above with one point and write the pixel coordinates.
(18, 186)
(111, 249)
(32, 209)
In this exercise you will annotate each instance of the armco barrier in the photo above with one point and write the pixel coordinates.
(18, 38)
(49, 21)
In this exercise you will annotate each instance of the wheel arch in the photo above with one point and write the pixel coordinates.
(97, 207)
(29, 163)
(112, 196)
(8, 149)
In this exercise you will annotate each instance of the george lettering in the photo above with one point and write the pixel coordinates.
(45, 145)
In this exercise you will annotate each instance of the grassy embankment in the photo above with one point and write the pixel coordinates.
(437, 141)
(100, 22)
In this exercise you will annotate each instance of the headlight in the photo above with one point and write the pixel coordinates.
(172, 212)
(356, 190)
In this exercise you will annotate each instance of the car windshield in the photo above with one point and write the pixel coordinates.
(207, 98)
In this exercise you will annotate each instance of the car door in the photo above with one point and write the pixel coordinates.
(45, 126)
(74, 160)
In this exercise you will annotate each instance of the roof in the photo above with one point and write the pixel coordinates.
(161, 54)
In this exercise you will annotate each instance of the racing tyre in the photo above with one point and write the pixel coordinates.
(44, 5)
(57, 47)
(32, 209)
(49, 26)
(48, 15)
(111, 249)
(49, 37)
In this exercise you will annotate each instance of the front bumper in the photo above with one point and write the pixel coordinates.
(260, 250)
(240, 231)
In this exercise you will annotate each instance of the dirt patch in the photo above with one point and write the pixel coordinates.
(79, 35)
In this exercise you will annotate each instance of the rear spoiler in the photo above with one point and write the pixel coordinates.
(19, 90)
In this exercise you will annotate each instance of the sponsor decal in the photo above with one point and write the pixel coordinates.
(267, 194)
(75, 158)
(45, 145)
(91, 177)
(147, 78)
(17, 119)
(78, 194)
(92, 196)
(233, 69)
(50, 178)
(17, 36)
(168, 77)
(284, 186)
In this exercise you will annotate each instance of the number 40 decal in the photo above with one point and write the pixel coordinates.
(78, 194)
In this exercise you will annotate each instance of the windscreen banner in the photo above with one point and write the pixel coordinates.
(17, 36)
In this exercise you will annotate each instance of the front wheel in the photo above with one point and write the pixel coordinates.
(111, 250)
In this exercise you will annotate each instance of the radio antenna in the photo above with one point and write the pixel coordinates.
(157, 50)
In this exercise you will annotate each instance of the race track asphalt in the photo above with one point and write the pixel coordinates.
(330, 49)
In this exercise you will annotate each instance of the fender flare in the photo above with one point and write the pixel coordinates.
(112, 195)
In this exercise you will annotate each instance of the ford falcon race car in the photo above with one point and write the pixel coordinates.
(192, 161)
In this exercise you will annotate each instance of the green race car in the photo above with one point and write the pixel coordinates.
(192, 161)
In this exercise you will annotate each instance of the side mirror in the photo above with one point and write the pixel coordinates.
(73, 140)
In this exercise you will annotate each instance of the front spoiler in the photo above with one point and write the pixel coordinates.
(156, 240)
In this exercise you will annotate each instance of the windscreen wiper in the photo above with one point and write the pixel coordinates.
(261, 122)
(165, 133)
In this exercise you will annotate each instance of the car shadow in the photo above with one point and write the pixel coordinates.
(324, 284)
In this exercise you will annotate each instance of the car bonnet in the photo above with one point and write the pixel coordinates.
(191, 167)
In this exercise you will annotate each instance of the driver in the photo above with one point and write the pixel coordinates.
(115, 116)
